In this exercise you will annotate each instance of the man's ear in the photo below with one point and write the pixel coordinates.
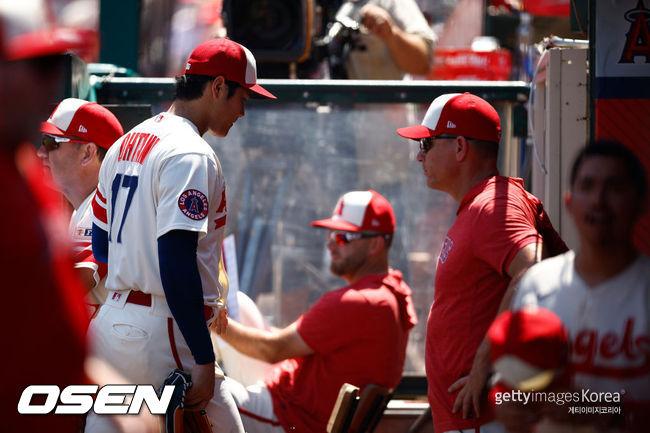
(462, 148)
(218, 86)
(89, 153)
(377, 245)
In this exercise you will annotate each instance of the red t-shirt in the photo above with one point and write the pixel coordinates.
(359, 335)
(495, 219)
(42, 312)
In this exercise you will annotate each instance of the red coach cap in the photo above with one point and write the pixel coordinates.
(360, 211)
(86, 120)
(528, 347)
(28, 32)
(457, 114)
(225, 57)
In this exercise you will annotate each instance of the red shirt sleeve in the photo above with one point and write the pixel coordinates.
(507, 225)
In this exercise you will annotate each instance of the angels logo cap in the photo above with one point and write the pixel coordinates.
(458, 114)
(361, 211)
(528, 347)
(85, 120)
(230, 59)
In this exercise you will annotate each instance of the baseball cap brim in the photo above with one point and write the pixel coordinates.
(49, 128)
(335, 224)
(415, 132)
(521, 375)
(261, 91)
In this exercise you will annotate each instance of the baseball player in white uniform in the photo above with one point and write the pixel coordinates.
(76, 137)
(159, 219)
(601, 292)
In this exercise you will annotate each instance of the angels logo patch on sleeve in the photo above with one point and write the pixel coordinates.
(194, 204)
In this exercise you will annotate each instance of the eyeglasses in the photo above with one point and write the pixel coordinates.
(53, 142)
(427, 143)
(342, 238)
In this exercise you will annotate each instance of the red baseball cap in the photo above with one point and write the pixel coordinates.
(457, 114)
(361, 211)
(86, 120)
(225, 57)
(528, 347)
(28, 33)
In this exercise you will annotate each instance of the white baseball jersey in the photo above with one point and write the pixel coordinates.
(160, 176)
(608, 325)
(80, 229)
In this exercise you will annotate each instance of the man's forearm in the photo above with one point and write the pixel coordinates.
(253, 342)
(410, 52)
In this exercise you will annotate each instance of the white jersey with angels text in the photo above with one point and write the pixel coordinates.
(160, 176)
(608, 325)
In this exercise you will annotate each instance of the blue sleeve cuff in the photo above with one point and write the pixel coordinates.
(100, 244)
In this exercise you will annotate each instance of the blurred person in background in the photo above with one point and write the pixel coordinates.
(394, 40)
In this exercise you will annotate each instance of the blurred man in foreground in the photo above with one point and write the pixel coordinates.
(601, 292)
(43, 310)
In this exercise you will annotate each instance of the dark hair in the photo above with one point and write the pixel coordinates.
(486, 149)
(191, 86)
(101, 152)
(614, 149)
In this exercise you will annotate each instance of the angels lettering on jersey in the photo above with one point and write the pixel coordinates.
(601, 352)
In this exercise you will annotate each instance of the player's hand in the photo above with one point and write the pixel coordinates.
(202, 389)
(378, 21)
(221, 322)
(471, 390)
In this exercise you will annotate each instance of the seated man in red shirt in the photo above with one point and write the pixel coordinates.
(355, 334)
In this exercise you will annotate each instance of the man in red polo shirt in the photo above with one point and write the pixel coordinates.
(356, 334)
(42, 313)
(497, 235)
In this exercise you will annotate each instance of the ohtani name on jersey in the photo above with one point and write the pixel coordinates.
(136, 145)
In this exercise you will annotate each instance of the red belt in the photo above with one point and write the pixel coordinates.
(140, 298)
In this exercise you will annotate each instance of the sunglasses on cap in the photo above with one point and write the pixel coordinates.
(427, 143)
(52, 142)
(343, 238)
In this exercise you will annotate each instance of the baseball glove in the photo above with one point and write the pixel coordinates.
(177, 420)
